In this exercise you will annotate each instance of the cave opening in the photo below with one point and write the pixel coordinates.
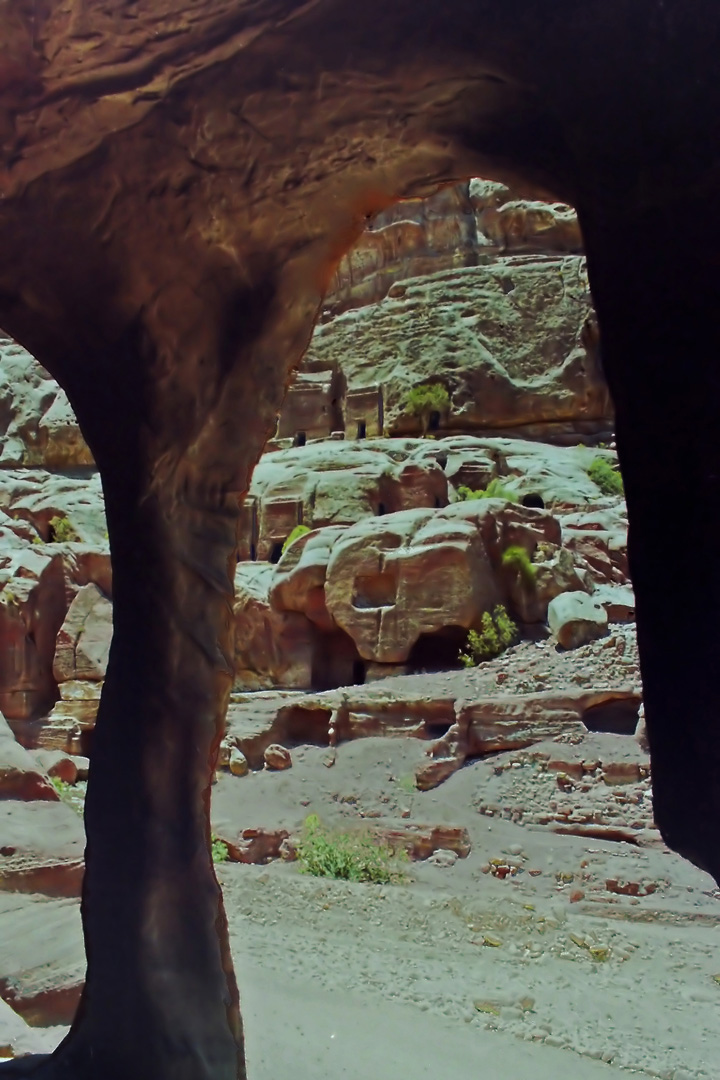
(438, 651)
(619, 717)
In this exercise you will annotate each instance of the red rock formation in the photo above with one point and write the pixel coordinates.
(457, 227)
(175, 198)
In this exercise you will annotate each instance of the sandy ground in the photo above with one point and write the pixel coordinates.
(364, 958)
(457, 972)
(548, 973)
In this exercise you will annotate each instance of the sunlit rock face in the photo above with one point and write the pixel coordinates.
(37, 424)
(463, 225)
(476, 289)
(513, 342)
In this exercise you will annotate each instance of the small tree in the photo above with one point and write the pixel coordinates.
(423, 400)
(497, 633)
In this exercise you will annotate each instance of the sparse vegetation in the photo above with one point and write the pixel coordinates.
(407, 783)
(360, 857)
(607, 479)
(494, 490)
(61, 530)
(516, 558)
(219, 849)
(298, 531)
(497, 633)
(424, 400)
(73, 795)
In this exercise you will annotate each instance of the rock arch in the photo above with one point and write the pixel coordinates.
(173, 201)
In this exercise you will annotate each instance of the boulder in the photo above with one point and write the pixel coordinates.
(618, 601)
(255, 845)
(39, 576)
(238, 763)
(59, 765)
(393, 579)
(21, 777)
(576, 618)
(83, 643)
(555, 570)
(277, 758)
(345, 600)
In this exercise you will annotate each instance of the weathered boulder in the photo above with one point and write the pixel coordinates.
(21, 777)
(238, 763)
(83, 642)
(554, 570)
(576, 618)
(60, 766)
(37, 583)
(391, 580)
(509, 223)
(370, 593)
(67, 726)
(277, 757)
(618, 601)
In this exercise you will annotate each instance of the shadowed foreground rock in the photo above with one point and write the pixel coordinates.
(176, 189)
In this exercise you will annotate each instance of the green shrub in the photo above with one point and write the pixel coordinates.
(494, 490)
(497, 633)
(424, 400)
(61, 530)
(607, 479)
(299, 530)
(71, 794)
(359, 857)
(219, 849)
(517, 559)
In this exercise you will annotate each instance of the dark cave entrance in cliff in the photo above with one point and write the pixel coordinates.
(336, 662)
(438, 651)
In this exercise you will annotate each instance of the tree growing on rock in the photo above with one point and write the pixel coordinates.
(424, 400)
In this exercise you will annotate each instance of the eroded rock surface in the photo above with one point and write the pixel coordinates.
(459, 226)
(37, 424)
(514, 343)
